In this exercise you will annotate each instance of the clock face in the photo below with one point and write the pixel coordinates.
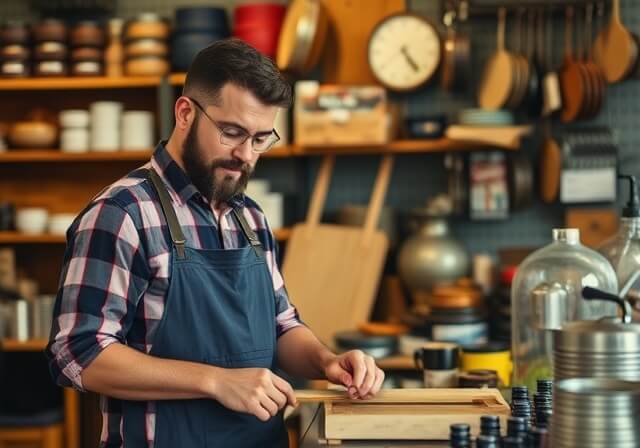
(404, 52)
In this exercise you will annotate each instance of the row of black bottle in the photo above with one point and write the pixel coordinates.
(526, 428)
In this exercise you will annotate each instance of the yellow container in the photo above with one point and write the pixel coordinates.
(493, 356)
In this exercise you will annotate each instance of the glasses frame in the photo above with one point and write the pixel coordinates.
(246, 136)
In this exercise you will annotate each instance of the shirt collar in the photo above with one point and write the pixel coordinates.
(178, 180)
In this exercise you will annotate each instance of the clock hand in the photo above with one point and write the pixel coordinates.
(409, 59)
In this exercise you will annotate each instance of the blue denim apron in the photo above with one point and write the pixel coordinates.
(220, 310)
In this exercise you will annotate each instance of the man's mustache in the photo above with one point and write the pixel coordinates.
(232, 164)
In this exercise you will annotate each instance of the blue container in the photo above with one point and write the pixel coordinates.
(202, 19)
(186, 45)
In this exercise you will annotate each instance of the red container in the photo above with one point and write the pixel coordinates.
(263, 40)
(259, 12)
(259, 25)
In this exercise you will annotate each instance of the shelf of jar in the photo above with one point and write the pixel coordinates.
(31, 345)
(46, 238)
(88, 82)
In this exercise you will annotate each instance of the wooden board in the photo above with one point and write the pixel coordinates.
(405, 414)
(595, 225)
(332, 271)
(351, 23)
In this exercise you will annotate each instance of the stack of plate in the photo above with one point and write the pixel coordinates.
(480, 117)
(596, 413)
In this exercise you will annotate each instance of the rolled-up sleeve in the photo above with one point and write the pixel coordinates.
(287, 316)
(105, 272)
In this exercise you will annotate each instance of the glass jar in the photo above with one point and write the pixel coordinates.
(546, 292)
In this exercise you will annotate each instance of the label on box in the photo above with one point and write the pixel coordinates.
(588, 185)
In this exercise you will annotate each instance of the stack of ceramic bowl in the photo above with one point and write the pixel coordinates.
(15, 52)
(596, 413)
(105, 125)
(87, 41)
(259, 25)
(481, 117)
(74, 134)
(50, 38)
(146, 47)
(195, 29)
(137, 130)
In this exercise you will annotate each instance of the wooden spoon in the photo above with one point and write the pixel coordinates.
(497, 79)
(590, 82)
(615, 50)
(571, 77)
(596, 73)
(521, 66)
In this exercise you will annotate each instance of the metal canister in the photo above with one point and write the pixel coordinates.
(597, 349)
(596, 412)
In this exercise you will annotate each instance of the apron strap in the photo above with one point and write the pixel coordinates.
(169, 213)
(249, 233)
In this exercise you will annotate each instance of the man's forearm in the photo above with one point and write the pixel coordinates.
(301, 354)
(122, 372)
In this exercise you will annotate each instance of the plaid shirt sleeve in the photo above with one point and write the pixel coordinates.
(104, 275)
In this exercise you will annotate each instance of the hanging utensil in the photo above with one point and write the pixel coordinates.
(550, 166)
(498, 77)
(571, 77)
(521, 64)
(551, 83)
(598, 76)
(615, 50)
(590, 91)
(534, 98)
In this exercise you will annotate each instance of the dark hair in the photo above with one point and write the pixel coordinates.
(234, 61)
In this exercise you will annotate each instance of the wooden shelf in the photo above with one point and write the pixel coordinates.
(54, 155)
(88, 82)
(32, 345)
(23, 238)
(399, 362)
(397, 147)
(45, 238)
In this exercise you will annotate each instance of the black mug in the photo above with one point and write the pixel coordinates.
(7, 216)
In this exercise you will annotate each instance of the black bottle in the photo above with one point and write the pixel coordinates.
(459, 435)
(517, 427)
(537, 438)
(513, 442)
(484, 441)
(490, 425)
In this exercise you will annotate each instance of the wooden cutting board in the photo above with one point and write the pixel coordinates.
(331, 271)
(405, 414)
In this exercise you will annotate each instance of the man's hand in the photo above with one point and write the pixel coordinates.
(357, 371)
(254, 391)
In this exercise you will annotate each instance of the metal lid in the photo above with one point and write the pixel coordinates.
(569, 236)
(598, 337)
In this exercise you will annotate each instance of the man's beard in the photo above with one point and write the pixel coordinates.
(203, 175)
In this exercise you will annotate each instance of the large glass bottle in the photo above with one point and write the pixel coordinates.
(623, 249)
(546, 292)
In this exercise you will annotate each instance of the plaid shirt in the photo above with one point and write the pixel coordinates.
(116, 272)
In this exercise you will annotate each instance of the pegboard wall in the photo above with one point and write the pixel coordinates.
(418, 177)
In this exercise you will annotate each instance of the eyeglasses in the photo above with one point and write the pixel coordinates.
(234, 136)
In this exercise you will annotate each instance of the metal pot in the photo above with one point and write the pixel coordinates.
(431, 255)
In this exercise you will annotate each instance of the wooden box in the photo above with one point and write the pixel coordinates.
(408, 414)
(331, 115)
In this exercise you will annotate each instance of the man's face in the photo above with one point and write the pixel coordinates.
(220, 171)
